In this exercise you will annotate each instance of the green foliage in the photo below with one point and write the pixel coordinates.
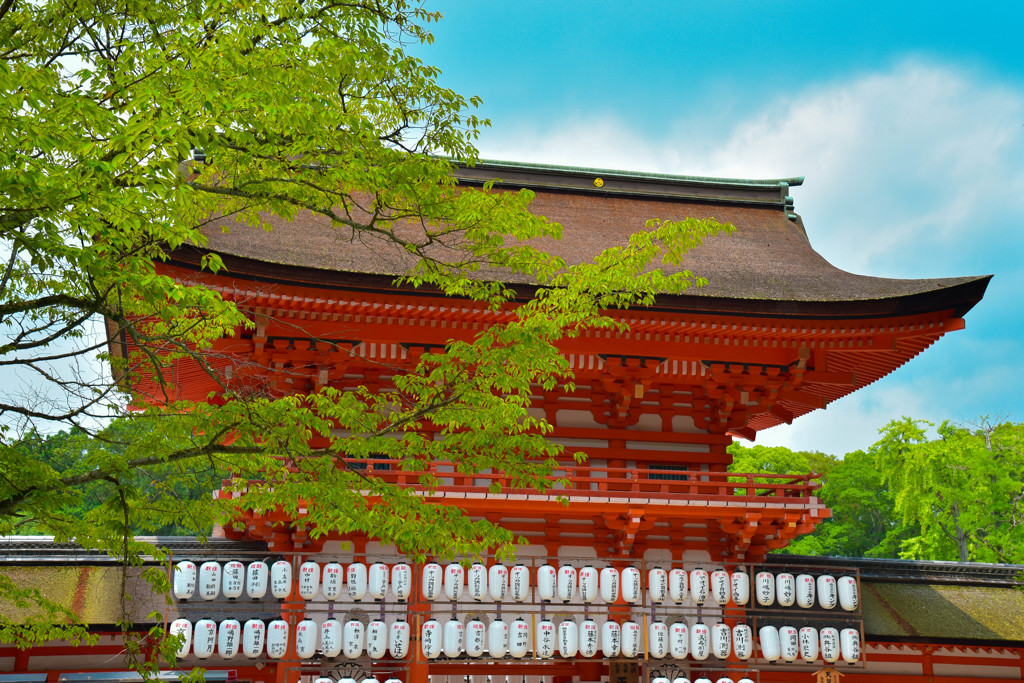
(963, 490)
(863, 522)
(959, 496)
(297, 107)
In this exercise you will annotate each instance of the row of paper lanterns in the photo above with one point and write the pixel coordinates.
(498, 639)
(500, 583)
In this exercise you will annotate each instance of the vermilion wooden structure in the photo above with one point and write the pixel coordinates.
(776, 334)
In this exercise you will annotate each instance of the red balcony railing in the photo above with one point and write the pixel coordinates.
(585, 481)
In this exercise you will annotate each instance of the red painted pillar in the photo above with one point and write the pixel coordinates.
(419, 611)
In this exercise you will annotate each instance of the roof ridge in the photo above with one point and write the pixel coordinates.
(637, 175)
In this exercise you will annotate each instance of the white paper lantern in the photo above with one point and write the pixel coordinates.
(431, 638)
(590, 638)
(742, 641)
(377, 580)
(611, 639)
(185, 574)
(681, 679)
(679, 640)
(849, 644)
(702, 680)
(309, 580)
(566, 587)
(333, 580)
(352, 639)
(768, 641)
(277, 639)
(357, 578)
(497, 582)
(476, 637)
(660, 679)
(828, 594)
(720, 586)
(631, 585)
(454, 581)
(657, 639)
(305, 639)
(254, 635)
(808, 644)
(745, 680)
(454, 638)
(609, 584)
(546, 638)
(401, 581)
(497, 639)
(632, 639)
(476, 582)
(721, 640)
(700, 584)
(740, 587)
(588, 584)
(785, 589)
(657, 585)
(233, 579)
(546, 583)
(849, 599)
(519, 639)
(764, 589)
(700, 641)
(323, 679)
(805, 591)
(376, 639)
(204, 638)
(398, 639)
(182, 628)
(789, 643)
(209, 580)
(280, 580)
(347, 680)
(724, 679)
(257, 580)
(519, 583)
(433, 582)
(330, 638)
(568, 639)
(678, 585)
(229, 638)
(829, 638)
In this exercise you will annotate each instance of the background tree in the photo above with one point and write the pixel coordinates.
(962, 490)
(296, 107)
(959, 496)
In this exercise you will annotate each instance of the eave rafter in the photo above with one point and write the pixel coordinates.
(774, 371)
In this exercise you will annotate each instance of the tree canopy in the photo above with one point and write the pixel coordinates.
(957, 495)
(125, 128)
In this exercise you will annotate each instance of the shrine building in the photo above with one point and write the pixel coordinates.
(658, 569)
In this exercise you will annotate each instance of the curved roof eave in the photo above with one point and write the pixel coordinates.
(958, 296)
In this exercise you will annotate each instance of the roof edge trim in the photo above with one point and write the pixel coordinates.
(637, 175)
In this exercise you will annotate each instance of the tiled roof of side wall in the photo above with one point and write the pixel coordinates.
(939, 602)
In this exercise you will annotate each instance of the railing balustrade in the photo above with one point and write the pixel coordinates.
(578, 481)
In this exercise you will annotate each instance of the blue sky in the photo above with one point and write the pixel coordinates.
(907, 120)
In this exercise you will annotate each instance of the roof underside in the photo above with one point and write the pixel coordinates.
(767, 266)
